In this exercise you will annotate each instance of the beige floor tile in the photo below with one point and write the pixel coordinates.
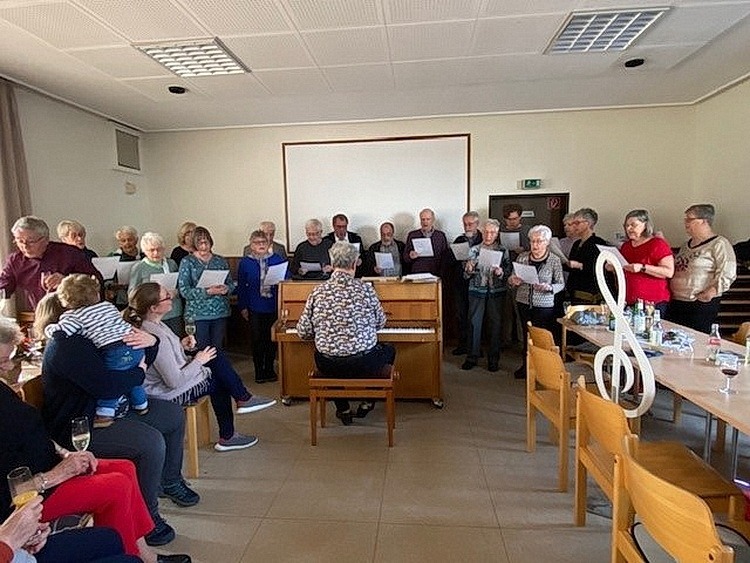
(331, 490)
(558, 545)
(437, 494)
(210, 538)
(419, 543)
(311, 541)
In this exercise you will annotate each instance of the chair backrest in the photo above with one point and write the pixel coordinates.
(679, 521)
(741, 334)
(541, 337)
(32, 392)
(573, 309)
(599, 421)
(549, 370)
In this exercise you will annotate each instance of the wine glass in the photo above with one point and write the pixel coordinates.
(80, 433)
(190, 327)
(2, 301)
(729, 366)
(22, 486)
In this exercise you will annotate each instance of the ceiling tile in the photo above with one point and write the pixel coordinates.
(430, 41)
(61, 25)
(121, 62)
(521, 7)
(239, 17)
(370, 77)
(498, 36)
(230, 87)
(416, 11)
(426, 74)
(334, 14)
(693, 24)
(292, 82)
(350, 46)
(270, 51)
(155, 20)
(156, 88)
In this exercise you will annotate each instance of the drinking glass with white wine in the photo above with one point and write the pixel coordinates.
(22, 486)
(190, 328)
(80, 434)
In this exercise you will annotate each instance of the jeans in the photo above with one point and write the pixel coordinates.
(85, 545)
(264, 350)
(154, 442)
(489, 305)
(210, 333)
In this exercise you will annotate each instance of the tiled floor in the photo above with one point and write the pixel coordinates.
(457, 486)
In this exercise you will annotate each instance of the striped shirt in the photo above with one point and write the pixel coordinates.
(101, 323)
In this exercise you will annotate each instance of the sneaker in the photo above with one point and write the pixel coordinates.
(103, 421)
(254, 404)
(162, 534)
(364, 409)
(175, 558)
(468, 364)
(142, 411)
(180, 494)
(236, 442)
(345, 417)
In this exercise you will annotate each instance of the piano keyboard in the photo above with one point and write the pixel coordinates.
(389, 330)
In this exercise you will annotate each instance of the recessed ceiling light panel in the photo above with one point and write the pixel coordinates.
(206, 57)
(586, 32)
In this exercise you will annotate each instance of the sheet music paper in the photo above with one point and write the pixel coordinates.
(510, 240)
(423, 246)
(167, 281)
(276, 273)
(123, 272)
(614, 250)
(106, 265)
(311, 266)
(212, 277)
(526, 272)
(384, 260)
(490, 258)
(460, 251)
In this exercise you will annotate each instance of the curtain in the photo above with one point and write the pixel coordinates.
(14, 179)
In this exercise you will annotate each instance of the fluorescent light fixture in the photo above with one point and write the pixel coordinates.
(586, 32)
(205, 57)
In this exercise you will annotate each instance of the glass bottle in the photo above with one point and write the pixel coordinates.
(657, 330)
(639, 319)
(747, 350)
(714, 343)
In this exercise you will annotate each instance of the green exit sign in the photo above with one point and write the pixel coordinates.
(531, 183)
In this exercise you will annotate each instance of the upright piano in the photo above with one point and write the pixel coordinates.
(414, 326)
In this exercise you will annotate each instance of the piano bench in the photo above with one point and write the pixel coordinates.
(322, 388)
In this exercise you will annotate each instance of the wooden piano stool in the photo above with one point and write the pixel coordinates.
(322, 388)
(197, 433)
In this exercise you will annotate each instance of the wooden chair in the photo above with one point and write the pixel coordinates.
(741, 334)
(601, 427)
(582, 356)
(32, 392)
(679, 521)
(197, 433)
(548, 393)
(543, 338)
(322, 388)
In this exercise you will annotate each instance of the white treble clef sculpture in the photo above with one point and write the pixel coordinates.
(619, 358)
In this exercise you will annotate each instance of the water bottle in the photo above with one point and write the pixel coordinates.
(714, 343)
(657, 330)
(639, 319)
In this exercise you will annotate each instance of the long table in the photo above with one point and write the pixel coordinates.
(694, 379)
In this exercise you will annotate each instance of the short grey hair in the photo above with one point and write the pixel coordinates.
(491, 223)
(344, 255)
(126, 229)
(568, 217)
(67, 226)
(10, 332)
(31, 223)
(642, 216)
(314, 224)
(473, 214)
(541, 230)
(267, 224)
(704, 211)
(152, 239)
(589, 215)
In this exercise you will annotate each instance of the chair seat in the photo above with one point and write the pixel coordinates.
(578, 369)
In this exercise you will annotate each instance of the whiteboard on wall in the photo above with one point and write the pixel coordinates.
(377, 180)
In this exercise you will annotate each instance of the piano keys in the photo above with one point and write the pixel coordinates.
(414, 327)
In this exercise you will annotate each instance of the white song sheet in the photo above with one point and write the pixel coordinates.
(212, 277)
(423, 246)
(167, 281)
(526, 272)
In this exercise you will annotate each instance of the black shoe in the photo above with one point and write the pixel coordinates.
(460, 351)
(345, 417)
(176, 558)
(364, 409)
(520, 373)
(180, 494)
(162, 534)
(468, 364)
(493, 366)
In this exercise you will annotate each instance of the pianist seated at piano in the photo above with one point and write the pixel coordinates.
(342, 316)
(311, 260)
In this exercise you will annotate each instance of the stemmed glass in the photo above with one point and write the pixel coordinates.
(729, 366)
(190, 327)
(80, 433)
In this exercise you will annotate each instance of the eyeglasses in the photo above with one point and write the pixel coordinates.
(691, 219)
(167, 298)
(27, 242)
